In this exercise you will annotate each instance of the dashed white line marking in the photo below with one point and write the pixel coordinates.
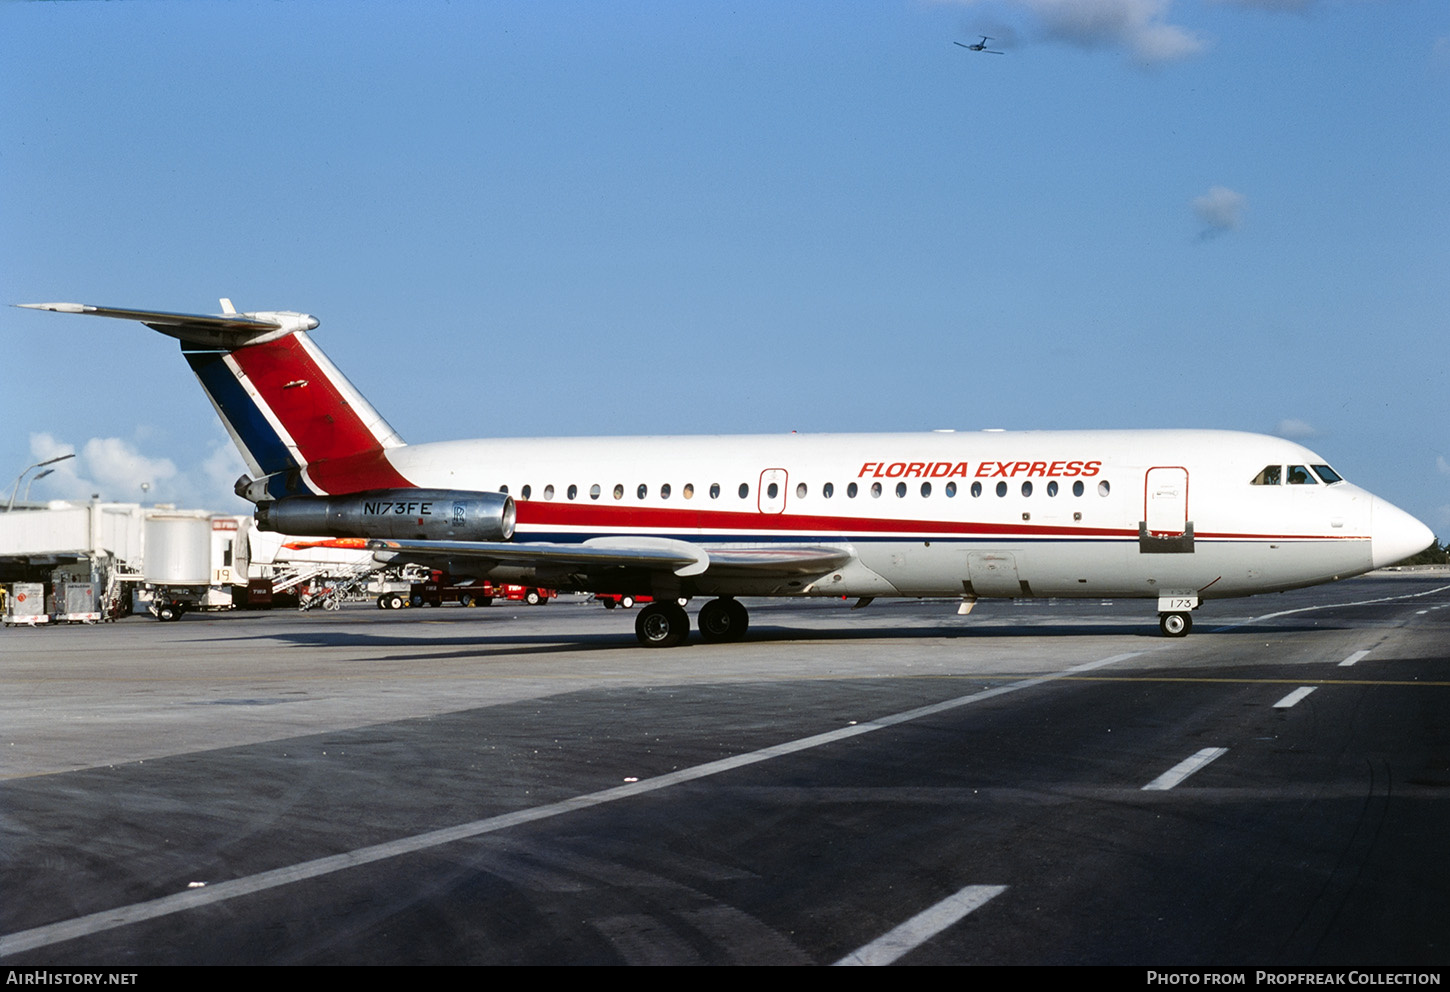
(1294, 697)
(923, 926)
(1184, 768)
(81, 926)
(1353, 658)
(1329, 606)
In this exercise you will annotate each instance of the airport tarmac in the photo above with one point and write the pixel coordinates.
(1041, 782)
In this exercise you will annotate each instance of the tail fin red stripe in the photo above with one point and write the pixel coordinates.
(302, 397)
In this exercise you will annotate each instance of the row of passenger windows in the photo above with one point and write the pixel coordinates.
(772, 490)
(1297, 475)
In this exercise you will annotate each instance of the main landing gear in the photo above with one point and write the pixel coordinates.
(1175, 624)
(666, 625)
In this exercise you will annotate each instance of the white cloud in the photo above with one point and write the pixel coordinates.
(1292, 428)
(1140, 27)
(1442, 465)
(116, 469)
(1220, 209)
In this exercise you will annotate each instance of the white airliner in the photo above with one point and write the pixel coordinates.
(1178, 516)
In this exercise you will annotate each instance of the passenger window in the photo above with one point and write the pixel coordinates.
(976, 489)
(526, 492)
(689, 491)
(1299, 476)
(771, 491)
(744, 489)
(851, 491)
(1077, 488)
(1328, 474)
(875, 490)
(1001, 489)
(951, 489)
(900, 490)
(642, 492)
(549, 491)
(1268, 477)
(1104, 488)
(504, 490)
(1052, 488)
(665, 491)
(572, 492)
(714, 490)
(619, 491)
(926, 489)
(800, 490)
(1026, 489)
(828, 490)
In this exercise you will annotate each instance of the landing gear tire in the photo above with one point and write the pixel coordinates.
(1175, 624)
(722, 621)
(662, 625)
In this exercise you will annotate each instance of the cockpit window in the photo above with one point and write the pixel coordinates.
(1299, 476)
(1328, 474)
(1268, 477)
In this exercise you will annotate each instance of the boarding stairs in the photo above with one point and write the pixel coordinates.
(344, 581)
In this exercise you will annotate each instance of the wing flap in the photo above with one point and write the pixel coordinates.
(653, 554)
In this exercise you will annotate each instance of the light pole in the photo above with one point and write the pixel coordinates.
(16, 488)
(33, 478)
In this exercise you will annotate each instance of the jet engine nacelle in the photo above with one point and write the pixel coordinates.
(419, 514)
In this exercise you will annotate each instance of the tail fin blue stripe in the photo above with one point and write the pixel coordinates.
(266, 452)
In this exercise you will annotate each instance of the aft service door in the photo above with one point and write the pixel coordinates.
(1165, 527)
(772, 490)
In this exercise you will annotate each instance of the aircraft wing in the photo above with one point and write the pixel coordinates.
(647, 553)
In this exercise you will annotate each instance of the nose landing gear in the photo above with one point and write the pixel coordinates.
(1175, 624)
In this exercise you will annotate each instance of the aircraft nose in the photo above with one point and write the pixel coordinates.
(1395, 535)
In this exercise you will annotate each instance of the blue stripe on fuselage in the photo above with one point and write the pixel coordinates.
(240, 410)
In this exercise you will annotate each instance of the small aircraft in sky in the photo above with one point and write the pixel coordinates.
(1176, 516)
(980, 46)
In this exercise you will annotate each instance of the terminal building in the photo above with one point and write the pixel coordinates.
(71, 561)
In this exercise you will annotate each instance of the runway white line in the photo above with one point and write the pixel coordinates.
(1184, 768)
(1353, 658)
(1331, 606)
(81, 926)
(923, 926)
(1294, 697)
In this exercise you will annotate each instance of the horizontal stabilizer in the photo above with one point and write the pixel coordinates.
(229, 330)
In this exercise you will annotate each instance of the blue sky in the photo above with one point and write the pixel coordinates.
(658, 217)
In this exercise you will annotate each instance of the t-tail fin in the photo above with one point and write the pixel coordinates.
(300, 425)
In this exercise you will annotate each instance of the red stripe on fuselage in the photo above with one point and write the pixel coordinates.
(610, 519)
(616, 519)
(341, 454)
